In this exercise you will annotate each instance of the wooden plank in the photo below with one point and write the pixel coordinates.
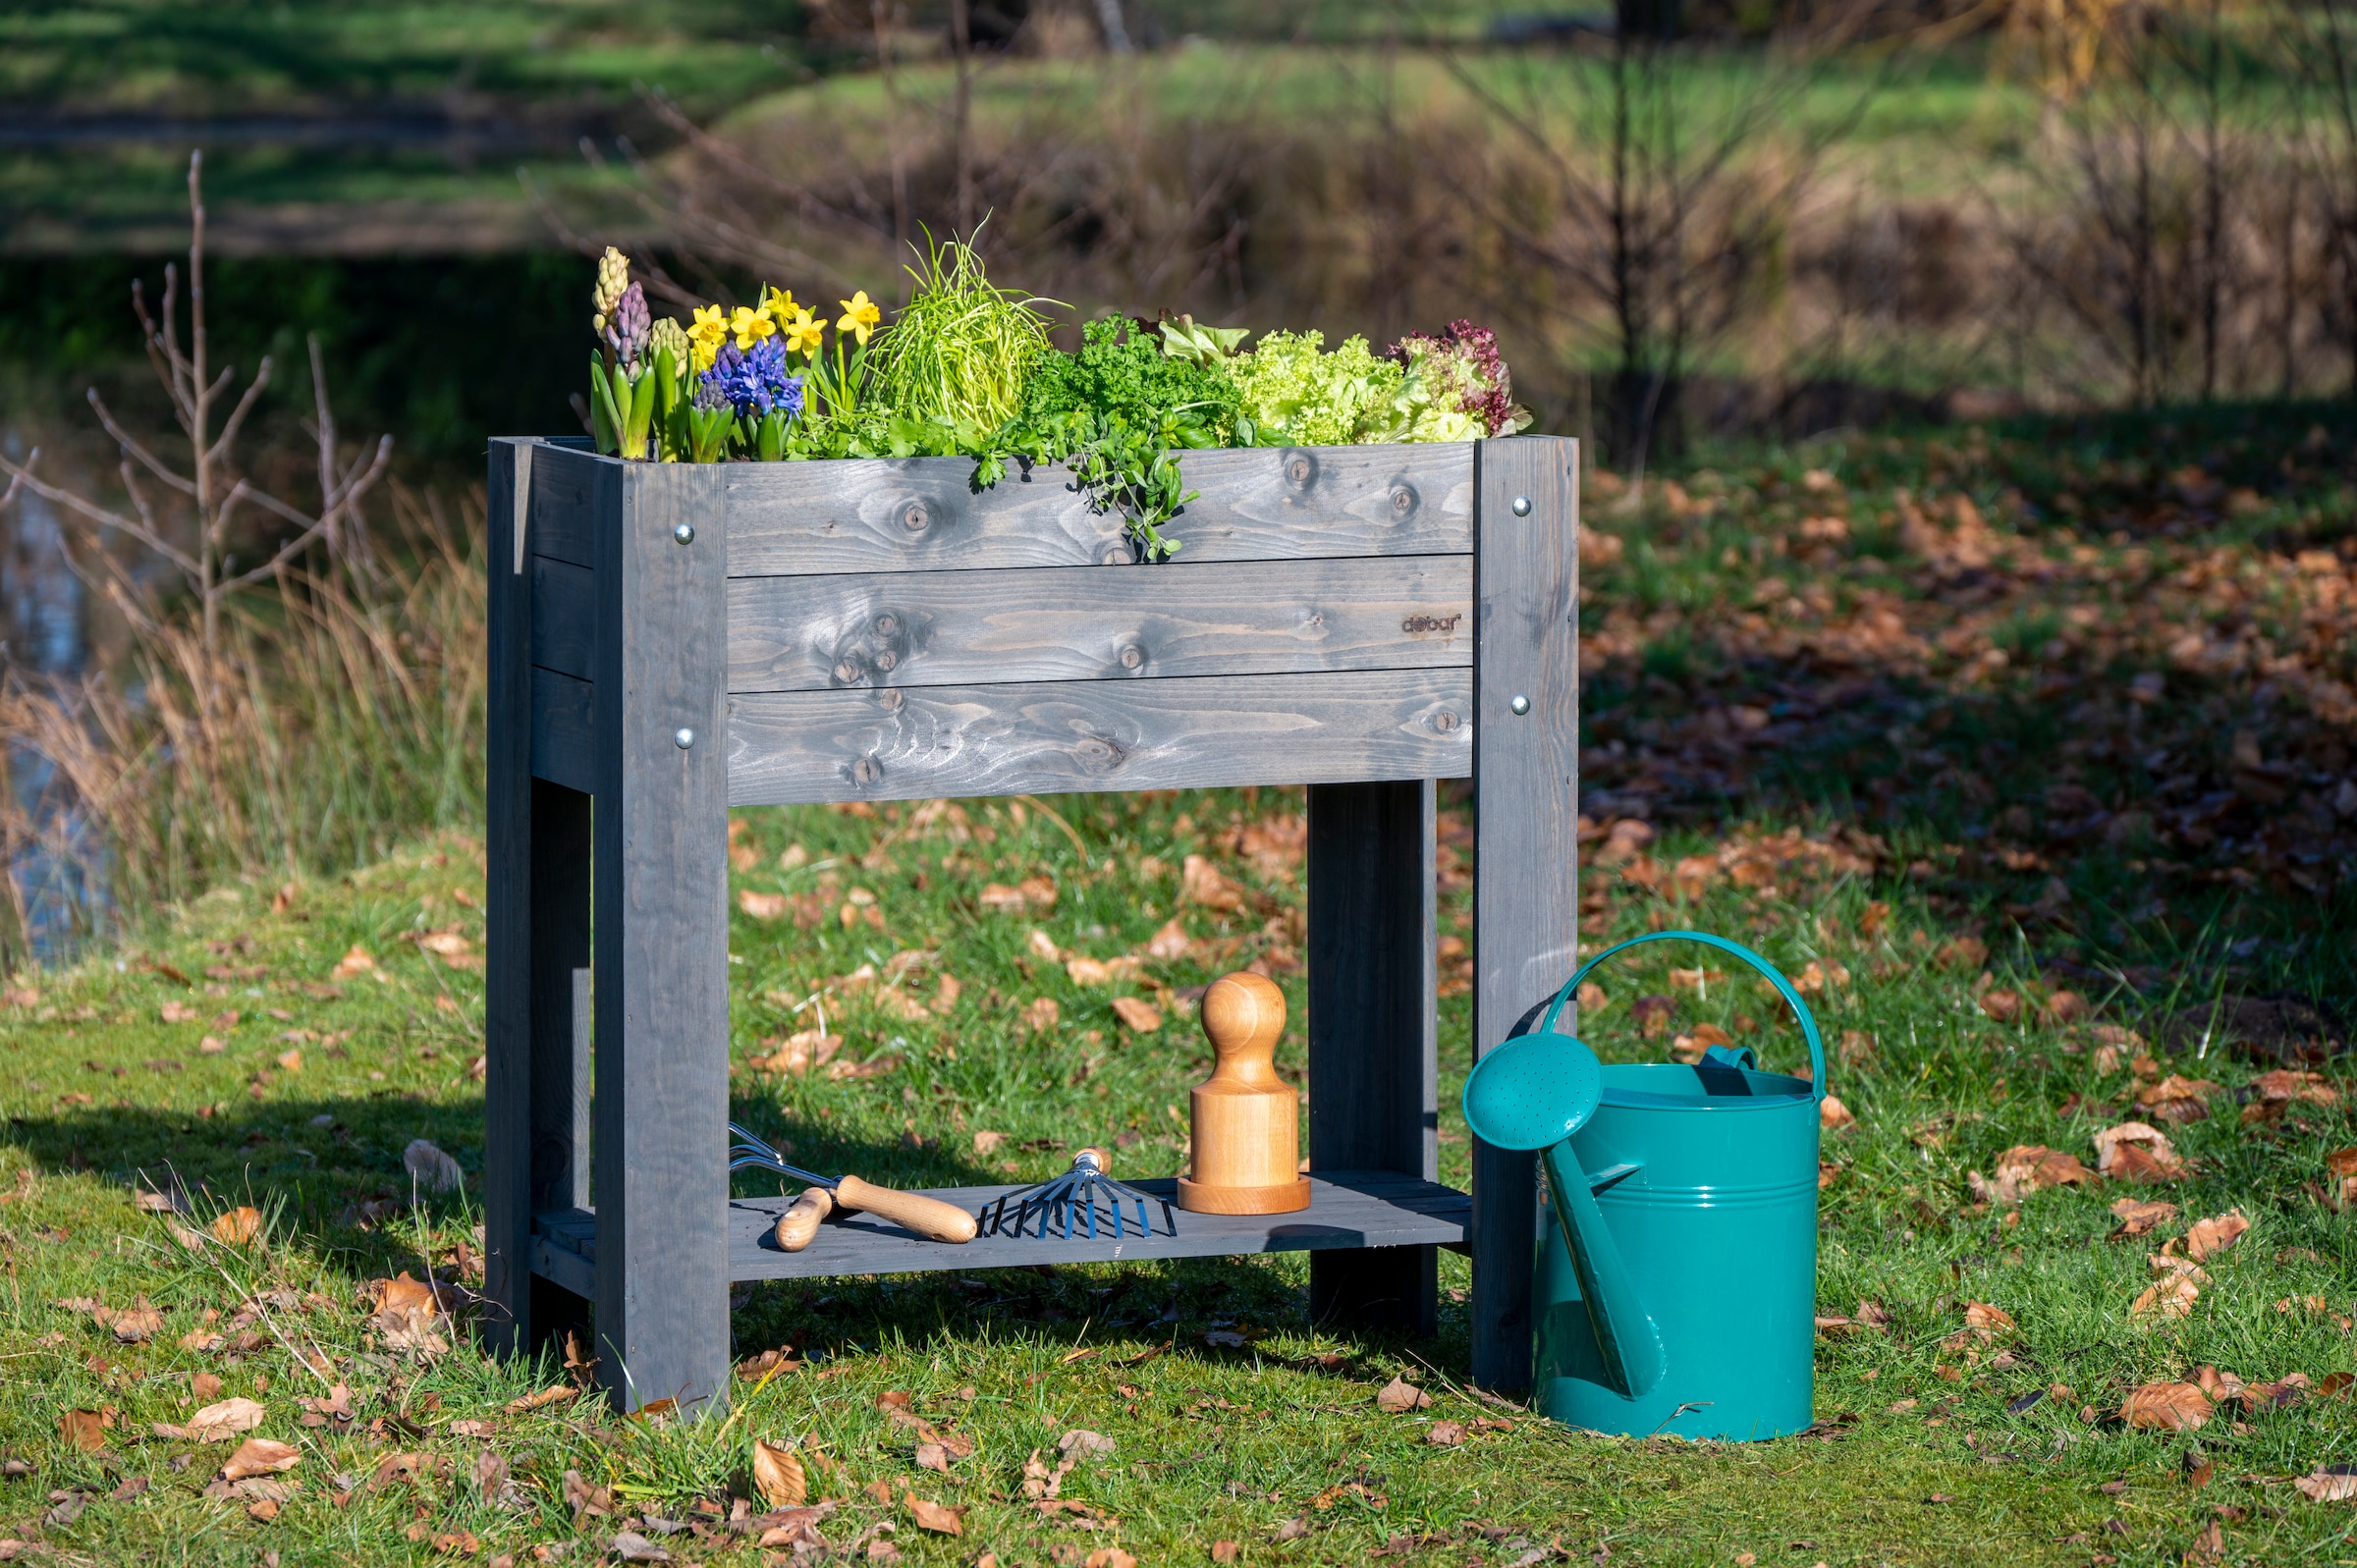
(1263, 503)
(507, 938)
(562, 959)
(563, 730)
(787, 748)
(661, 944)
(565, 617)
(1374, 1031)
(1346, 1208)
(1527, 785)
(940, 628)
(564, 486)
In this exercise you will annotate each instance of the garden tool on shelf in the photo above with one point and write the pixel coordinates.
(1675, 1289)
(929, 1217)
(1083, 1194)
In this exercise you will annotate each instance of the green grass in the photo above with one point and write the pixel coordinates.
(1934, 775)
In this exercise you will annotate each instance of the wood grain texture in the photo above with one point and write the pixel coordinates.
(562, 728)
(564, 501)
(662, 999)
(1348, 1209)
(1244, 1120)
(938, 628)
(1374, 1030)
(1267, 503)
(565, 617)
(1051, 738)
(507, 1206)
(1525, 779)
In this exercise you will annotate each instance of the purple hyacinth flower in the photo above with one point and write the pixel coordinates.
(752, 381)
(628, 328)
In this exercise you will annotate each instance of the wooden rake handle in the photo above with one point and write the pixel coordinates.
(798, 1224)
(929, 1217)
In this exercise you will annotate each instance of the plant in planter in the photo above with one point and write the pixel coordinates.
(966, 369)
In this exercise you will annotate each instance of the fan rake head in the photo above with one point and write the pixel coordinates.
(1083, 1198)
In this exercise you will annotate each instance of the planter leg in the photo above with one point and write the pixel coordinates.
(1526, 832)
(662, 939)
(1372, 1030)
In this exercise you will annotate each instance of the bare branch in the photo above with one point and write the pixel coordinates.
(236, 415)
(130, 445)
(23, 477)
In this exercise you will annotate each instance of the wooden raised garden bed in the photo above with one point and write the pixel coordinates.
(669, 641)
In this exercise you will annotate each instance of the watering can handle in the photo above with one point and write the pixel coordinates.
(1774, 975)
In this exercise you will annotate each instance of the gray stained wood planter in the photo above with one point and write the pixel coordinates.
(668, 642)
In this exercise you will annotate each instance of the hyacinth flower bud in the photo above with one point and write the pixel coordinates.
(630, 325)
(668, 333)
(613, 278)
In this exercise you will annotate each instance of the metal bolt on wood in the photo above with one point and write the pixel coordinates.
(686, 738)
(1522, 506)
(685, 534)
(1520, 705)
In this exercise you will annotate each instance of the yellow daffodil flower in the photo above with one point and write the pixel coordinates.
(859, 316)
(802, 333)
(778, 303)
(710, 331)
(751, 326)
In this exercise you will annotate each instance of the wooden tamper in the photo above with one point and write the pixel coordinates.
(1246, 1119)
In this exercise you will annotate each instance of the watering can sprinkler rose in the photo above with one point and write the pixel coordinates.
(1676, 1287)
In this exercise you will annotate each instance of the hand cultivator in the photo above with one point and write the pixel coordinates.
(1083, 1195)
(929, 1217)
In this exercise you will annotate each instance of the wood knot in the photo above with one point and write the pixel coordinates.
(846, 672)
(886, 661)
(1444, 721)
(890, 697)
(1118, 555)
(1132, 657)
(867, 770)
(916, 516)
(887, 624)
(1098, 754)
(1300, 468)
(1404, 502)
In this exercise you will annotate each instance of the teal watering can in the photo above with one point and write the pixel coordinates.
(1686, 1300)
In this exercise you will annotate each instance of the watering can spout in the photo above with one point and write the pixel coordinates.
(1626, 1336)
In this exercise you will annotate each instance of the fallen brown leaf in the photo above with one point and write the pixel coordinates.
(2177, 1099)
(1139, 1016)
(85, 1430)
(1832, 1115)
(1202, 883)
(2165, 1407)
(779, 1476)
(1400, 1396)
(238, 1226)
(2211, 1236)
(260, 1456)
(1444, 1434)
(936, 1517)
(2140, 1216)
(2137, 1151)
(218, 1423)
(2330, 1483)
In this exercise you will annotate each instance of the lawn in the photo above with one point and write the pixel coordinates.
(2020, 748)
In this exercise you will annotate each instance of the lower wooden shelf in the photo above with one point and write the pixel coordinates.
(1348, 1209)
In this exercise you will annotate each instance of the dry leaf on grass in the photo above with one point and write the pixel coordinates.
(260, 1456)
(2137, 1151)
(1444, 1434)
(630, 1547)
(2177, 1099)
(1201, 882)
(355, 963)
(1034, 894)
(435, 1170)
(936, 1517)
(2140, 1216)
(1832, 1115)
(2002, 1006)
(1139, 1016)
(85, 1430)
(933, 1456)
(1080, 1444)
(764, 905)
(2165, 1407)
(2172, 1297)
(2214, 1235)
(1169, 943)
(2026, 1169)
(1101, 971)
(2330, 1483)
(554, 1395)
(1041, 1015)
(778, 1476)
(238, 1226)
(799, 1051)
(218, 1423)
(1400, 1396)
(132, 1325)
(1983, 1324)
